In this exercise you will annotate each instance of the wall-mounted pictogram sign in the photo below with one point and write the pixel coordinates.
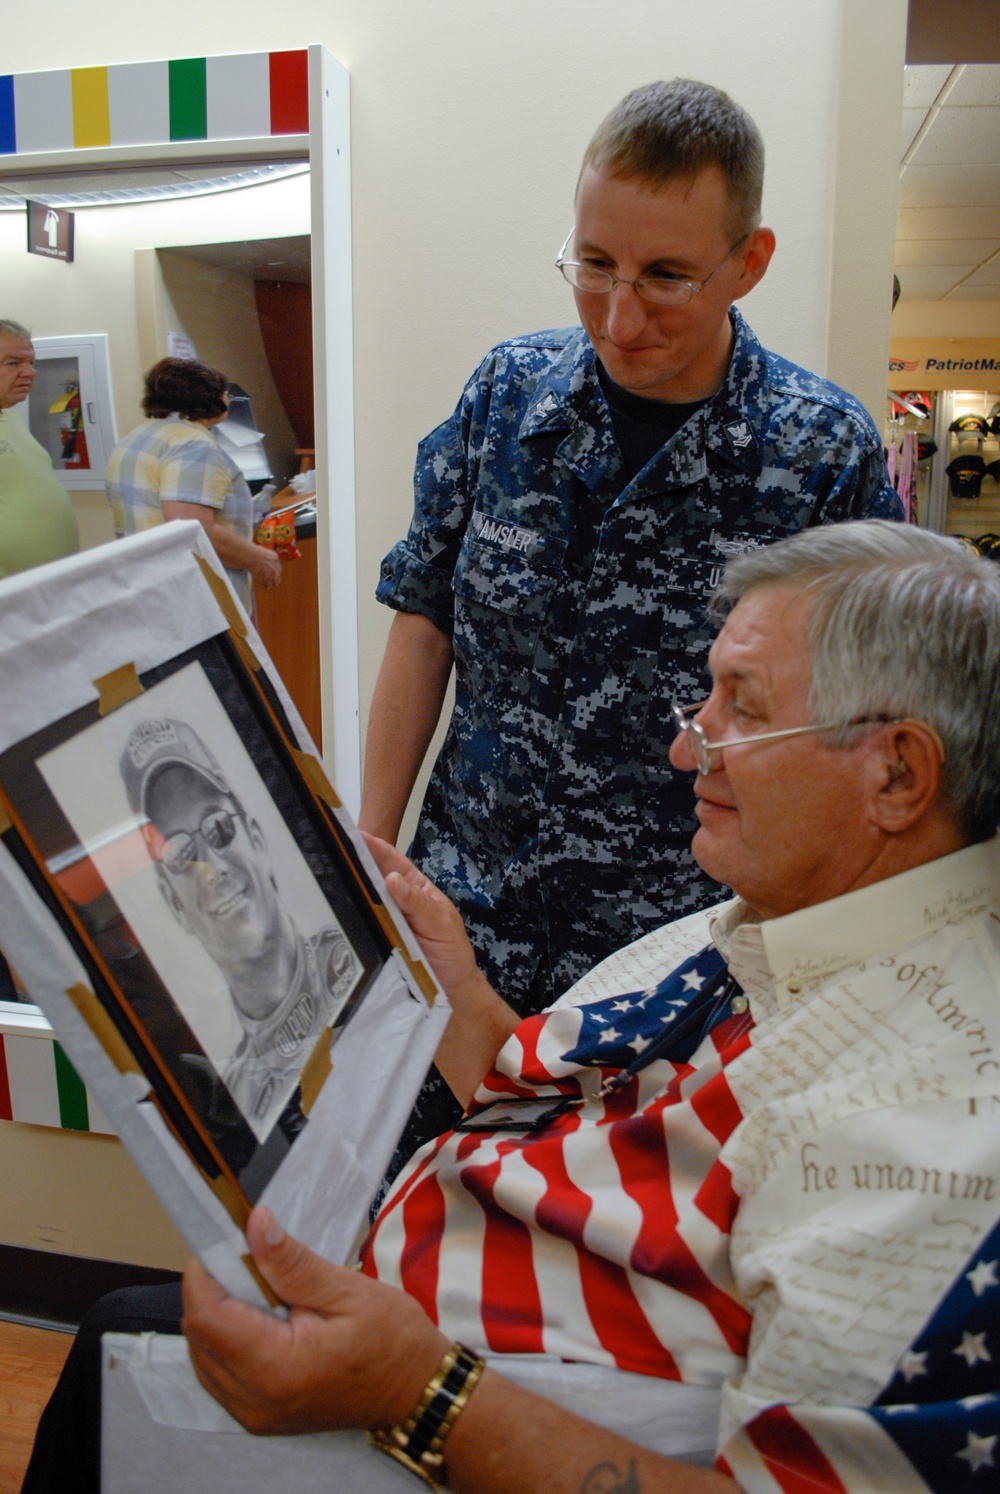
(50, 231)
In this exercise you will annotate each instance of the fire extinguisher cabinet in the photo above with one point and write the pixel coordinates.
(69, 410)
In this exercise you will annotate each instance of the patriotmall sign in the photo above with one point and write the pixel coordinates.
(944, 363)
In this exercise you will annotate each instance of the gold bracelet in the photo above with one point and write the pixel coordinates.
(417, 1442)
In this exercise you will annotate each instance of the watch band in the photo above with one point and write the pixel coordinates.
(417, 1442)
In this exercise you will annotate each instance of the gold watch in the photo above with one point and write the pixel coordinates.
(418, 1441)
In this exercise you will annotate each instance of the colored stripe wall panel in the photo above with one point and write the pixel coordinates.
(72, 1095)
(188, 104)
(99, 1122)
(43, 103)
(8, 129)
(239, 96)
(139, 103)
(289, 93)
(31, 1074)
(5, 1111)
(91, 123)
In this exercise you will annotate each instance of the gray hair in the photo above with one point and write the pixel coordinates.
(14, 329)
(906, 623)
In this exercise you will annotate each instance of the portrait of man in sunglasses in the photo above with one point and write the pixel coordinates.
(214, 873)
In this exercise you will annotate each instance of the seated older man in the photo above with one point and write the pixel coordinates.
(772, 1172)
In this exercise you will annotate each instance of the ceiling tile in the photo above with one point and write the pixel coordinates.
(988, 275)
(921, 85)
(937, 223)
(964, 293)
(945, 251)
(961, 137)
(941, 277)
(979, 84)
(949, 186)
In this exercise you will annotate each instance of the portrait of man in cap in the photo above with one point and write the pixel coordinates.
(214, 872)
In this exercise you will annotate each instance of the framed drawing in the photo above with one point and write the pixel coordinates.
(179, 832)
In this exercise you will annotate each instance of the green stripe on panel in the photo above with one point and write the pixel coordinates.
(73, 1115)
(188, 99)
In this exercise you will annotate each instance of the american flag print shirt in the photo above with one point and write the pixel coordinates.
(803, 1211)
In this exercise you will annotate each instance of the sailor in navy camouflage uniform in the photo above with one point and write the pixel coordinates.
(571, 520)
(215, 876)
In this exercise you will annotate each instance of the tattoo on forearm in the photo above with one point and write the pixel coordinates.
(608, 1478)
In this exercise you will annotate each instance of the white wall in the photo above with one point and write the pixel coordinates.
(468, 125)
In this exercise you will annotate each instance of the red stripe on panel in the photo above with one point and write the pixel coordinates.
(532, 1070)
(423, 1227)
(717, 1199)
(640, 1150)
(732, 1037)
(6, 1113)
(716, 1108)
(791, 1455)
(508, 1269)
(619, 1323)
(289, 73)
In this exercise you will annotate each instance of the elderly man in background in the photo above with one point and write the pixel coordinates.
(37, 522)
(752, 1195)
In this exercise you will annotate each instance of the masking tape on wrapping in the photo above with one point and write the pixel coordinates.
(117, 687)
(230, 611)
(315, 775)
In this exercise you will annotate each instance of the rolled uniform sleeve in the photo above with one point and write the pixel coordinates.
(416, 575)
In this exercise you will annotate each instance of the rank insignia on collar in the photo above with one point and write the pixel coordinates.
(740, 435)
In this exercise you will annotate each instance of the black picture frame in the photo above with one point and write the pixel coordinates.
(186, 1082)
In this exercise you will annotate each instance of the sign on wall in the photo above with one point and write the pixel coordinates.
(944, 363)
(50, 231)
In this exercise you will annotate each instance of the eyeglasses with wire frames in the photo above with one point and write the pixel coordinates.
(657, 286)
(701, 748)
(179, 852)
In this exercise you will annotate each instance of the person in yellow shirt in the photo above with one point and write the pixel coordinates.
(37, 522)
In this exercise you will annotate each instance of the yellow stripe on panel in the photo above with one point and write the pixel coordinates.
(91, 118)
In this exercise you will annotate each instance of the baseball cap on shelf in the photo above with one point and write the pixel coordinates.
(161, 743)
(993, 470)
(969, 425)
(925, 450)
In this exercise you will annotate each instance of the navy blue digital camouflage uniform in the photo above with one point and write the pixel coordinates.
(576, 606)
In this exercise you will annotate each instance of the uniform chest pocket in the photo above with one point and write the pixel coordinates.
(502, 599)
(514, 573)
